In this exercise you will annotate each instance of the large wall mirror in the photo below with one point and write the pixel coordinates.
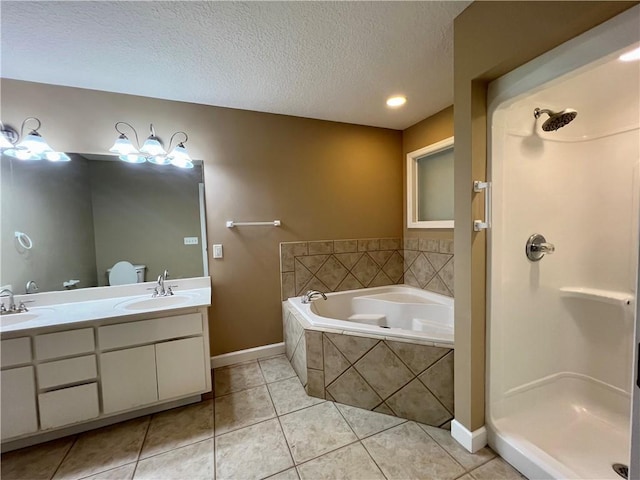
(430, 186)
(79, 218)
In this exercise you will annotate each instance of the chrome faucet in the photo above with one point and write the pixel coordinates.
(311, 295)
(160, 290)
(5, 292)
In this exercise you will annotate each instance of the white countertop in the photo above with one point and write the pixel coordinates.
(73, 306)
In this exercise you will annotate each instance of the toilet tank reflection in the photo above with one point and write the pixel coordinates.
(86, 215)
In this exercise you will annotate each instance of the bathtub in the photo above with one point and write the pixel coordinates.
(398, 311)
(386, 349)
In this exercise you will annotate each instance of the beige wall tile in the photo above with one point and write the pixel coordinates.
(422, 270)
(349, 283)
(318, 247)
(288, 251)
(288, 285)
(315, 383)
(417, 357)
(383, 370)
(312, 262)
(368, 244)
(345, 246)
(348, 259)
(437, 285)
(411, 244)
(335, 362)
(394, 267)
(351, 346)
(365, 270)
(446, 246)
(415, 402)
(351, 389)
(390, 244)
(439, 379)
(381, 256)
(332, 273)
(314, 349)
(299, 360)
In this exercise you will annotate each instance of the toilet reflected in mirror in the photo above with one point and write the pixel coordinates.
(125, 273)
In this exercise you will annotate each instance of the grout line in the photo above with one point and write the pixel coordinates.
(286, 441)
(141, 446)
(442, 447)
(66, 454)
(111, 469)
(374, 460)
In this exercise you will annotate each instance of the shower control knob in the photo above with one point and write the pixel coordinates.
(537, 246)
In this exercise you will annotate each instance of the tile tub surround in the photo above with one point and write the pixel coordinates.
(428, 264)
(407, 380)
(301, 438)
(338, 265)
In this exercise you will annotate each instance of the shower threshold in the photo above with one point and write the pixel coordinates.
(566, 426)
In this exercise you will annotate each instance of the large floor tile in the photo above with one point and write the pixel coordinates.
(468, 460)
(496, 469)
(178, 427)
(242, 409)
(104, 449)
(193, 462)
(235, 378)
(406, 451)
(350, 462)
(124, 472)
(276, 368)
(35, 463)
(252, 452)
(316, 430)
(289, 395)
(365, 422)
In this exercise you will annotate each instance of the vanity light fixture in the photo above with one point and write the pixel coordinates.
(396, 101)
(32, 146)
(152, 149)
(631, 56)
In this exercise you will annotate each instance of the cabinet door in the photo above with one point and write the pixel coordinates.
(128, 378)
(18, 405)
(181, 367)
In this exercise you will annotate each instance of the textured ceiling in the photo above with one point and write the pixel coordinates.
(328, 60)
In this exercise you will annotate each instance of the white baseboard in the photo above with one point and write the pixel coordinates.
(472, 441)
(247, 355)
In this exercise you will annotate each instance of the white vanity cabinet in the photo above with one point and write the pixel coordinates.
(18, 399)
(55, 379)
(167, 367)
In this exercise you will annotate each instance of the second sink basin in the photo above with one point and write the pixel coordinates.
(153, 303)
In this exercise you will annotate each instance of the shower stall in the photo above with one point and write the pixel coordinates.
(563, 257)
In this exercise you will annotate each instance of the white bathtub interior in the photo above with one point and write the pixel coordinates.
(561, 330)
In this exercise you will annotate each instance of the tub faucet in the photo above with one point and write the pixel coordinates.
(311, 294)
(5, 292)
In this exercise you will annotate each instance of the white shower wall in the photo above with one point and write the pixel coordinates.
(578, 187)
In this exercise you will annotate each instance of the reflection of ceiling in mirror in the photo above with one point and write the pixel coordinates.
(86, 215)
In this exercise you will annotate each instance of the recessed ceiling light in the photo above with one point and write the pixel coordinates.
(396, 101)
(631, 56)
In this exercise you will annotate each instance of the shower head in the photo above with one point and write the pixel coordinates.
(556, 120)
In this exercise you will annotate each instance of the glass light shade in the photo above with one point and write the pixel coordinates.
(133, 158)
(153, 147)
(180, 158)
(123, 146)
(57, 157)
(34, 143)
(4, 142)
(159, 159)
(22, 154)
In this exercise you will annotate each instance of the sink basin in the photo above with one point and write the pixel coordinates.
(153, 303)
(14, 318)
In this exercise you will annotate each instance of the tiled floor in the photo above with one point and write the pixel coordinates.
(261, 424)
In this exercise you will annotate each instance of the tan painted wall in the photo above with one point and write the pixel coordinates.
(491, 39)
(323, 180)
(426, 132)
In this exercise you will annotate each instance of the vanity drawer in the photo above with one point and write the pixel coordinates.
(62, 372)
(69, 405)
(64, 344)
(15, 351)
(149, 331)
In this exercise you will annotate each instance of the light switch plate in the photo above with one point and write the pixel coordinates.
(217, 250)
(190, 240)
